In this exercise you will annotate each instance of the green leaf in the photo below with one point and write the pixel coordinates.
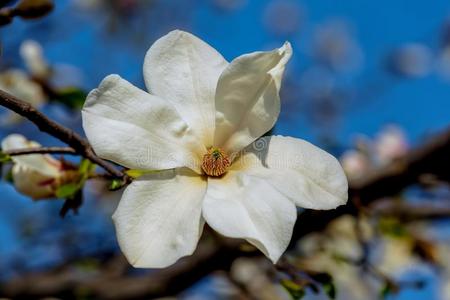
(134, 173)
(295, 290)
(116, 184)
(330, 290)
(385, 291)
(4, 158)
(67, 190)
(392, 227)
(71, 97)
(88, 264)
(86, 168)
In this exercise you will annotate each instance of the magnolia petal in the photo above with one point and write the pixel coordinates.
(158, 219)
(309, 176)
(43, 164)
(32, 183)
(242, 206)
(247, 99)
(184, 70)
(137, 130)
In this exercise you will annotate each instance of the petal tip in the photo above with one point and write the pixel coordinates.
(108, 81)
(106, 84)
(286, 50)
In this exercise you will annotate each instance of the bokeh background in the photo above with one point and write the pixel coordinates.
(360, 68)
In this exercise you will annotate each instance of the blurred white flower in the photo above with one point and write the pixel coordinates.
(34, 175)
(396, 255)
(203, 121)
(57, 75)
(443, 63)
(442, 256)
(327, 252)
(412, 60)
(32, 54)
(390, 144)
(18, 84)
(283, 17)
(335, 46)
(355, 163)
(252, 273)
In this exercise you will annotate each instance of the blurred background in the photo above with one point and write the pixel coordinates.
(369, 81)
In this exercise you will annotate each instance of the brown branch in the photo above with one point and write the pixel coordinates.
(41, 150)
(432, 158)
(408, 212)
(66, 135)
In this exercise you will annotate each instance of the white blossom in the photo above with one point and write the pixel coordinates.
(355, 163)
(34, 175)
(203, 116)
(390, 144)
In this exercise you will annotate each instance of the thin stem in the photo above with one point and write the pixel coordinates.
(42, 150)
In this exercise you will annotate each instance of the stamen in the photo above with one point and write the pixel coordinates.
(215, 162)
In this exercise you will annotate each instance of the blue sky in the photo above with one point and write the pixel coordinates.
(421, 106)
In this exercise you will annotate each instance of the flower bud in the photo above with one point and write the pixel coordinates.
(35, 175)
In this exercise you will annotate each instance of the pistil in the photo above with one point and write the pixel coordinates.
(216, 162)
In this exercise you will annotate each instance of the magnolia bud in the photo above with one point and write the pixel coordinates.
(35, 175)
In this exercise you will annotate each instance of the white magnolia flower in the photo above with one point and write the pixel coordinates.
(324, 252)
(390, 144)
(18, 84)
(355, 163)
(203, 120)
(34, 175)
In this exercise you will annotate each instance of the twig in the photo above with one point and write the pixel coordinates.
(42, 150)
(58, 131)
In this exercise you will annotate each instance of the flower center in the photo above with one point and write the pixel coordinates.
(215, 162)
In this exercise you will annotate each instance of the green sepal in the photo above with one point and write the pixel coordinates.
(135, 173)
(4, 158)
(67, 190)
(295, 290)
(116, 184)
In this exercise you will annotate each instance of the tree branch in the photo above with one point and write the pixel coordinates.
(66, 135)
